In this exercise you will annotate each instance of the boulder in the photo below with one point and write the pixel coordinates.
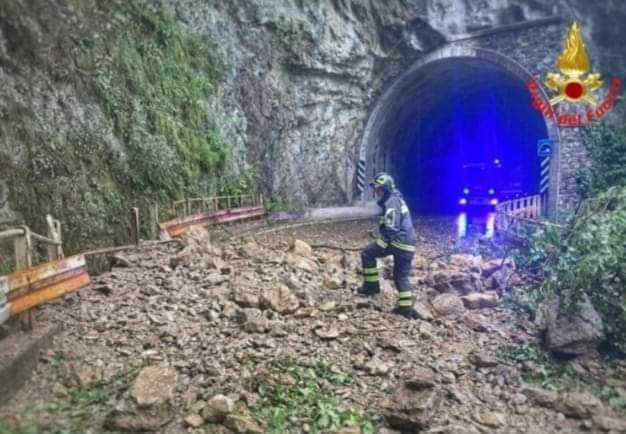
(466, 262)
(541, 397)
(481, 300)
(244, 293)
(503, 278)
(579, 405)
(576, 333)
(218, 408)
(279, 298)
(253, 251)
(301, 248)
(184, 258)
(455, 280)
(422, 378)
(411, 407)
(491, 266)
(448, 305)
(152, 393)
(300, 263)
(154, 386)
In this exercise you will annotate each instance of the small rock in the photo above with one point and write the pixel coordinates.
(301, 248)
(333, 282)
(119, 260)
(350, 430)
(541, 397)
(218, 408)
(154, 386)
(377, 368)
(448, 305)
(136, 422)
(482, 360)
(519, 399)
(481, 300)
(328, 306)
(252, 320)
(242, 424)
(243, 294)
(491, 419)
(422, 311)
(327, 333)
(609, 423)
(194, 420)
(59, 391)
(476, 322)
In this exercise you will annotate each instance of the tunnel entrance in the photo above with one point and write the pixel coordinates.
(458, 129)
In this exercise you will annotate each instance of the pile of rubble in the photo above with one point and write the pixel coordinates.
(182, 335)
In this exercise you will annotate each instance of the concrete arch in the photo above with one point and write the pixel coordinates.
(425, 81)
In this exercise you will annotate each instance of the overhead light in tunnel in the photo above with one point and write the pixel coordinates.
(492, 191)
(466, 190)
(494, 201)
(463, 201)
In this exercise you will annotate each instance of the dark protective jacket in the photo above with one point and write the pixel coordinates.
(396, 227)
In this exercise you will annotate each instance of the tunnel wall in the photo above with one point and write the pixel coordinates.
(526, 53)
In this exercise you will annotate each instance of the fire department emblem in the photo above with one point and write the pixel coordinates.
(574, 83)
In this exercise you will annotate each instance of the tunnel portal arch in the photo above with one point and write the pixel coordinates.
(461, 80)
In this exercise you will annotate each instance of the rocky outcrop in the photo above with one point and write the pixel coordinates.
(295, 86)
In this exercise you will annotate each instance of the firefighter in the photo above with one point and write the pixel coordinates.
(397, 238)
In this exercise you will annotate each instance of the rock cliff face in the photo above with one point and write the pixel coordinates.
(95, 112)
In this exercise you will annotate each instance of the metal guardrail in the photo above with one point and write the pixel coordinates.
(22, 290)
(211, 211)
(23, 239)
(510, 214)
(28, 286)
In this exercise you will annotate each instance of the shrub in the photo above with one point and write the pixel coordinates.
(592, 260)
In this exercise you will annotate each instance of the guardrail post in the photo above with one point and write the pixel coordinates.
(54, 233)
(154, 221)
(23, 260)
(134, 225)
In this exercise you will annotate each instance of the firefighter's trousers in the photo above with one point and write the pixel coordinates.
(402, 258)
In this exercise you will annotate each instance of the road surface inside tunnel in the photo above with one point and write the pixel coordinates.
(466, 142)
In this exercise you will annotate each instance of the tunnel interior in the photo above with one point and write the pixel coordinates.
(461, 125)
